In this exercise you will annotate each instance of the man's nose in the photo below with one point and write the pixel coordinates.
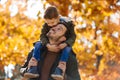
(51, 31)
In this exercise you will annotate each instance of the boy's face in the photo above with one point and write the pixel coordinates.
(52, 22)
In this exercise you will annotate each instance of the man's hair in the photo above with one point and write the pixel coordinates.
(51, 12)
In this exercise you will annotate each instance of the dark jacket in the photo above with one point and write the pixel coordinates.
(71, 71)
(72, 68)
(70, 34)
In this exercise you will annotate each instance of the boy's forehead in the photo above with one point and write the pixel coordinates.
(50, 20)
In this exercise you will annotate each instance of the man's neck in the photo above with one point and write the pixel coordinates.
(53, 42)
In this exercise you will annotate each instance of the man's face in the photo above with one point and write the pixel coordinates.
(52, 22)
(57, 31)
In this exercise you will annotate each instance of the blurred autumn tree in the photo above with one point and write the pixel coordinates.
(17, 34)
(97, 27)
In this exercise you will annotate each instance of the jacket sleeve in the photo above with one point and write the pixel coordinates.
(71, 38)
(28, 59)
(43, 37)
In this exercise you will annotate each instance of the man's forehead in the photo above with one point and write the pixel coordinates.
(60, 26)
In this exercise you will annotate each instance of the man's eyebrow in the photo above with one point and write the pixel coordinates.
(61, 26)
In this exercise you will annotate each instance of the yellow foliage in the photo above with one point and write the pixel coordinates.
(18, 33)
(98, 52)
(101, 67)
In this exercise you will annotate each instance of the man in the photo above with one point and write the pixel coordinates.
(52, 18)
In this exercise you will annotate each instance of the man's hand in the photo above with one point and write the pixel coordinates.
(63, 38)
(53, 48)
(32, 62)
(62, 45)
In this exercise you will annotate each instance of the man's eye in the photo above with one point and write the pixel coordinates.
(59, 30)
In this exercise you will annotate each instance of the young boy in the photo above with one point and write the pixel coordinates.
(52, 19)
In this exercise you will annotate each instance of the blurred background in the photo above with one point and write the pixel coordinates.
(97, 45)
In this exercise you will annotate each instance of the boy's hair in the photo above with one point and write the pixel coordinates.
(51, 12)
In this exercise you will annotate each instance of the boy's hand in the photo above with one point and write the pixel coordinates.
(62, 45)
(53, 48)
(63, 38)
(32, 62)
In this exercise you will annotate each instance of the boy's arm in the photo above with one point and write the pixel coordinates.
(43, 37)
(71, 38)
